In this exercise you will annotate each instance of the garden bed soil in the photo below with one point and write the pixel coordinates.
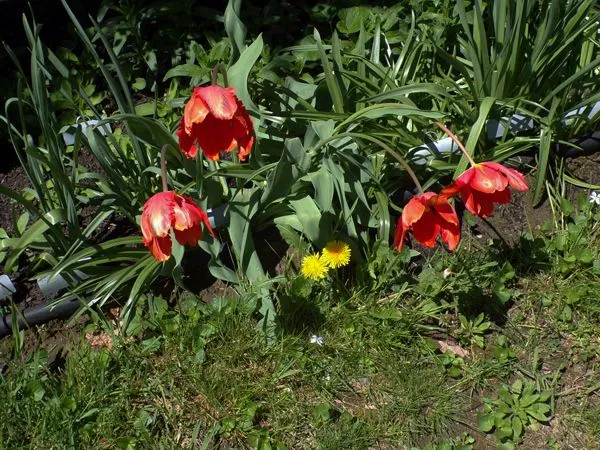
(507, 224)
(28, 293)
(13, 178)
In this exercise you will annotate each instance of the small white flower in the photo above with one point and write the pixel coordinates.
(595, 198)
(314, 339)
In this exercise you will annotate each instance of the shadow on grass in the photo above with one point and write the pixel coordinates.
(299, 315)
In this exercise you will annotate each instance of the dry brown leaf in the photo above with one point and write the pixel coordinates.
(456, 349)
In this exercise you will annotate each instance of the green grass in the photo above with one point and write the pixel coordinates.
(203, 376)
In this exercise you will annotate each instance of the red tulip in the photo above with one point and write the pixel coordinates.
(168, 210)
(215, 119)
(428, 215)
(485, 184)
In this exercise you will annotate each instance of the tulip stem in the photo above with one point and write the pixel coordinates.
(452, 136)
(214, 73)
(163, 167)
(384, 146)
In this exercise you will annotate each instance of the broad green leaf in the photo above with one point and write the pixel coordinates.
(292, 165)
(292, 238)
(508, 445)
(290, 220)
(215, 266)
(139, 84)
(318, 131)
(517, 386)
(241, 212)
(186, 70)
(22, 222)
(529, 400)
(145, 109)
(351, 19)
(539, 411)
(485, 422)
(322, 182)
(309, 216)
(237, 74)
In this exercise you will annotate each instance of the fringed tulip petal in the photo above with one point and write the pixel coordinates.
(428, 215)
(243, 132)
(426, 229)
(413, 211)
(485, 184)
(186, 141)
(195, 111)
(222, 102)
(160, 247)
(451, 236)
(446, 211)
(514, 177)
(400, 235)
(189, 236)
(488, 180)
(215, 135)
(158, 214)
(217, 120)
(168, 211)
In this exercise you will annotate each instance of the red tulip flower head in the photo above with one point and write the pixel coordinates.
(428, 215)
(215, 119)
(485, 184)
(168, 210)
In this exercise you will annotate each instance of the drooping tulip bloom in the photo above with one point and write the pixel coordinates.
(428, 215)
(485, 184)
(216, 120)
(168, 210)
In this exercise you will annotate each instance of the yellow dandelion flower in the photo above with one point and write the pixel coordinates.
(336, 254)
(314, 267)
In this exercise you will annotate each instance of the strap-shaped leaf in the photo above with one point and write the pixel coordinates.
(484, 110)
(333, 87)
(33, 233)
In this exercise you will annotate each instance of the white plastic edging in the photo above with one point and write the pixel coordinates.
(495, 129)
(7, 288)
(69, 136)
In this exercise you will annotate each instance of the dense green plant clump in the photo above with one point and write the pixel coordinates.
(156, 153)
